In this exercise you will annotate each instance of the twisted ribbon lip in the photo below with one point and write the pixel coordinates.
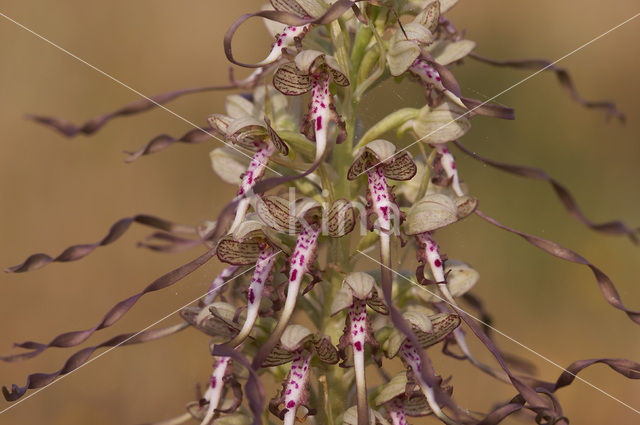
(129, 338)
(593, 40)
(479, 320)
(114, 79)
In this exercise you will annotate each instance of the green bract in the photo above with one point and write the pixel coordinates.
(437, 210)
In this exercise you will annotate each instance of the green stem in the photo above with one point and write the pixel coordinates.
(424, 185)
(360, 43)
(388, 123)
(326, 182)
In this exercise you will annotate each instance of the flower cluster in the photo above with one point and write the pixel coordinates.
(293, 255)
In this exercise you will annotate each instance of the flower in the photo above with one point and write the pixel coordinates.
(243, 129)
(298, 345)
(247, 245)
(358, 290)
(313, 71)
(379, 161)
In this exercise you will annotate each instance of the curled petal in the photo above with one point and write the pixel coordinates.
(492, 110)
(168, 243)
(70, 339)
(163, 141)
(624, 367)
(564, 79)
(93, 125)
(604, 282)
(77, 252)
(615, 227)
(39, 380)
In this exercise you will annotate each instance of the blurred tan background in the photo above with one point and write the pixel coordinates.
(56, 192)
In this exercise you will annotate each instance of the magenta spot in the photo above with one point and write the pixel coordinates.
(291, 404)
(279, 42)
(445, 150)
(431, 248)
(319, 123)
(453, 166)
(322, 105)
(294, 274)
(251, 296)
(241, 191)
(384, 211)
(429, 75)
(361, 329)
(214, 381)
(301, 259)
(438, 263)
(288, 392)
(438, 78)
(358, 346)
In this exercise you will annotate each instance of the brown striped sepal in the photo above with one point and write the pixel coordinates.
(383, 153)
(428, 329)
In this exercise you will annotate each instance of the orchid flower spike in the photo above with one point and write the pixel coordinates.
(313, 71)
(298, 345)
(249, 133)
(378, 159)
(249, 244)
(429, 329)
(358, 290)
(400, 399)
(307, 219)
